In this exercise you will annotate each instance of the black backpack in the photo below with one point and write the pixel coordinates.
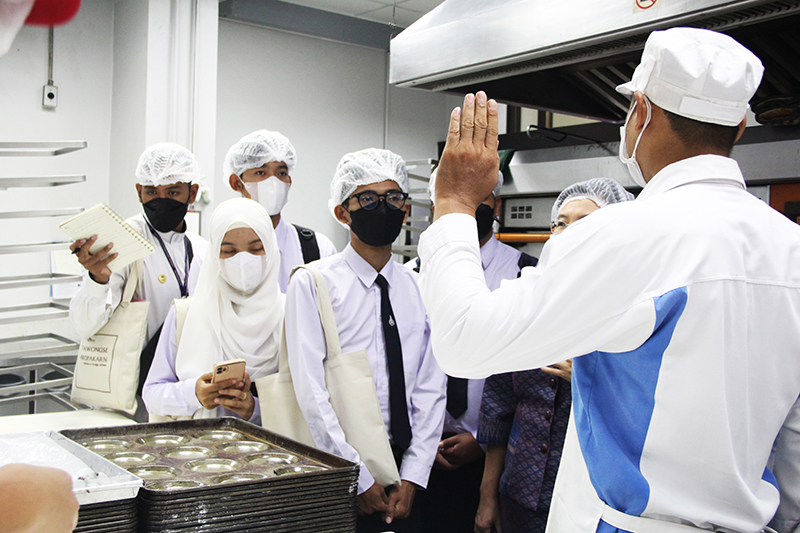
(308, 243)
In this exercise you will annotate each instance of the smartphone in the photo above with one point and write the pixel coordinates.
(233, 369)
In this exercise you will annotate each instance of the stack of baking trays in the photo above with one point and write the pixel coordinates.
(106, 493)
(224, 474)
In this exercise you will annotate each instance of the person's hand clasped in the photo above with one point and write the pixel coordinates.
(373, 500)
(96, 264)
(561, 370)
(230, 393)
(468, 169)
(458, 450)
(400, 501)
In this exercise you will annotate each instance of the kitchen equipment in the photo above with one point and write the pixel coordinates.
(244, 479)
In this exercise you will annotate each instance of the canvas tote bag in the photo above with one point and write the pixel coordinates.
(181, 310)
(107, 367)
(352, 395)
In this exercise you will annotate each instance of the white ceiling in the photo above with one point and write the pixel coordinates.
(406, 12)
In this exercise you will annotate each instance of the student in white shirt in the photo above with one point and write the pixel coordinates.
(452, 497)
(258, 167)
(236, 313)
(164, 185)
(368, 194)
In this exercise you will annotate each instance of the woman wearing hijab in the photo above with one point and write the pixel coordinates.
(523, 416)
(236, 313)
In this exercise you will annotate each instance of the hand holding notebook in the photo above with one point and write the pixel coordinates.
(101, 220)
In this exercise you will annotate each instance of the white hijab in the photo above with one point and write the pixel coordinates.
(224, 323)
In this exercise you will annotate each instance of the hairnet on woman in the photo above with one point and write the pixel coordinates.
(236, 313)
(599, 191)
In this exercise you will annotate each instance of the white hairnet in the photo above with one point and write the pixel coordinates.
(255, 150)
(602, 191)
(166, 164)
(432, 185)
(365, 167)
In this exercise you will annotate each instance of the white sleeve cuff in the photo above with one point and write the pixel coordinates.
(455, 227)
(94, 289)
(187, 392)
(415, 472)
(365, 479)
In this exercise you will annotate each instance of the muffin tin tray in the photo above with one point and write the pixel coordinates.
(224, 474)
(198, 454)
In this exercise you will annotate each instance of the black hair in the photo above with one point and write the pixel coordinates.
(698, 134)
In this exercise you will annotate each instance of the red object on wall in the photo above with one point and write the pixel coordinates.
(52, 12)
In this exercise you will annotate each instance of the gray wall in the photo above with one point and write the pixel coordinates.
(328, 98)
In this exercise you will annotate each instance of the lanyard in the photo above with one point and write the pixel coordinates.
(184, 286)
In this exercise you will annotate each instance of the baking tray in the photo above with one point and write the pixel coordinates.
(142, 450)
(323, 499)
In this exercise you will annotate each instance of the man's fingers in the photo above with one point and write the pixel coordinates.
(468, 118)
(454, 129)
(492, 128)
(481, 119)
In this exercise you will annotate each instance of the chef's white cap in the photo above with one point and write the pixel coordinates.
(698, 74)
(365, 167)
(432, 185)
(166, 164)
(255, 150)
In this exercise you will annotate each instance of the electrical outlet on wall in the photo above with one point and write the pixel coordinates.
(50, 97)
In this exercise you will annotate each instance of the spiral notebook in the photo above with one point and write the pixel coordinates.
(104, 222)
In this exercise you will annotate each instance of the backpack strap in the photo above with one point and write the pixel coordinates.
(308, 243)
(525, 260)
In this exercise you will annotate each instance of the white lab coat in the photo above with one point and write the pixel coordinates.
(687, 302)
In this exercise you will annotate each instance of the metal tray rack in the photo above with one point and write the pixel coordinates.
(226, 475)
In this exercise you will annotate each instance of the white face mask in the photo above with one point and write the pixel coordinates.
(271, 193)
(630, 161)
(244, 271)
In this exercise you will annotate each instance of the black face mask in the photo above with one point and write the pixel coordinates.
(485, 217)
(165, 214)
(377, 227)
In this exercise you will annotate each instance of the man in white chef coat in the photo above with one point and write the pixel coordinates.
(378, 308)
(165, 175)
(258, 167)
(681, 309)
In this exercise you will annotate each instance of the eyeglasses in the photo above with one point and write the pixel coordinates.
(368, 200)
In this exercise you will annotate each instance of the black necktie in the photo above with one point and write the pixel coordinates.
(398, 410)
(456, 396)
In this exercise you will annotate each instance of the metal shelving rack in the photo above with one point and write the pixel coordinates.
(419, 200)
(34, 354)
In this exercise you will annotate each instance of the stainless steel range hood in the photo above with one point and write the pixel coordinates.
(567, 56)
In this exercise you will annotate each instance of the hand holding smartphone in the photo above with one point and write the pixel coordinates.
(225, 370)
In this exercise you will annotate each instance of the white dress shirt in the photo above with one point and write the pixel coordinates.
(356, 301)
(94, 303)
(164, 394)
(686, 304)
(292, 253)
(499, 261)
